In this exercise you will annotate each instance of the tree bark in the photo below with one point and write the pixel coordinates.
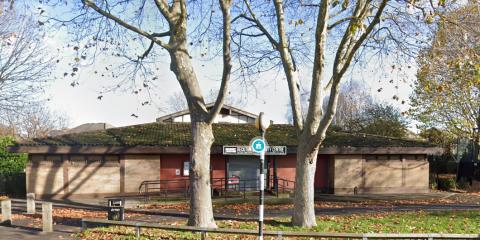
(201, 211)
(303, 207)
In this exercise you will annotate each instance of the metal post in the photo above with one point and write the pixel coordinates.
(185, 189)
(244, 190)
(146, 192)
(226, 190)
(262, 187)
(137, 232)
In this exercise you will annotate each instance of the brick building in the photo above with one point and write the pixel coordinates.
(117, 161)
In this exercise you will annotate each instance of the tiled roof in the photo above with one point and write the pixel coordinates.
(179, 134)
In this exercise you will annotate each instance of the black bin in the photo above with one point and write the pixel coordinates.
(116, 209)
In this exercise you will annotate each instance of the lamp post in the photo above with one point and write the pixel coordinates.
(262, 123)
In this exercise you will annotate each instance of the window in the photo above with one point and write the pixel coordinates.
(186, 168)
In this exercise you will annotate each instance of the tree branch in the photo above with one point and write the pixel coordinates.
(333, 25)
(227, 60)
(128, 26)
(162, 5)
(257, 22)
(316, 96)
(149, 49)
(337, 75)
(288, 66)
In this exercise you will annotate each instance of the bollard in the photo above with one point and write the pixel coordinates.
(6, 212)
(31, 203)
(47, 221)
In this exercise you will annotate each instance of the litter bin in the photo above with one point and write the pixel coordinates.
(116, 210)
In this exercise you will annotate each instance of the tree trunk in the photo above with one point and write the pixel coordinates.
(201, 211)
(304, 206)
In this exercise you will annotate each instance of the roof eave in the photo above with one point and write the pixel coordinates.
(215, 150)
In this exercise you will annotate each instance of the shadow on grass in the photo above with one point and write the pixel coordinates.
(460, 213)
(278, 223)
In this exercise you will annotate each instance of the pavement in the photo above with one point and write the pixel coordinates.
(12, 233)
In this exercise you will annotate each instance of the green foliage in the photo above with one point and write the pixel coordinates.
(10, 162)
(447, 89)
(445, 140)
(437, 136)
(446, 183)
(463, 183)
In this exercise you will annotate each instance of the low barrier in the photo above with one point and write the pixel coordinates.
(89, 223)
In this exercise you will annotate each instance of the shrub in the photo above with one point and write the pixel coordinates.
(446, 183)
(10, 162)
(463, 183)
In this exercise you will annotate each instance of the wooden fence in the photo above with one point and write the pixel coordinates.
(88, 223)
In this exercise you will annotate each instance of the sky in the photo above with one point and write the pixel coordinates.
(80, 104)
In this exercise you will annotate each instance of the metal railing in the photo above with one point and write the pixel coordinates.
(164, 187)
(222, 186)
(89, 223)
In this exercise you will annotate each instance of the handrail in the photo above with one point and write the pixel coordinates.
(163, 187)
(87, 223)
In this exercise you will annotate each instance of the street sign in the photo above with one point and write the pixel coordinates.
(258, 145)
(247, 150)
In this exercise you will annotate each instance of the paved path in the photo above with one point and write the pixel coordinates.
(14, 233)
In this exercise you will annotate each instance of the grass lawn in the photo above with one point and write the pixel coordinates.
(411, 222)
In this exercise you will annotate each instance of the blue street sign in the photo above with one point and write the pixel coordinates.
(258, 145)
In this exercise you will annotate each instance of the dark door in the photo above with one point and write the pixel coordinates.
(246, 168)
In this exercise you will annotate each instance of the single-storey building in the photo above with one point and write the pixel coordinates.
(122, 161)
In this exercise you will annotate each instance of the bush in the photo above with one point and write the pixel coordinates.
(446, 183)
(11, 163)
(463, 183)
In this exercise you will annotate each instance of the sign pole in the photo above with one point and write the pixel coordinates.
(262, 190)
(259, 146)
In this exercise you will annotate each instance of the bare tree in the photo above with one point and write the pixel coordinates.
(177, 102)
(24, 63)
(340, 33)
(37, 121)
(3, 6)
(353, 99)
(160, 25)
